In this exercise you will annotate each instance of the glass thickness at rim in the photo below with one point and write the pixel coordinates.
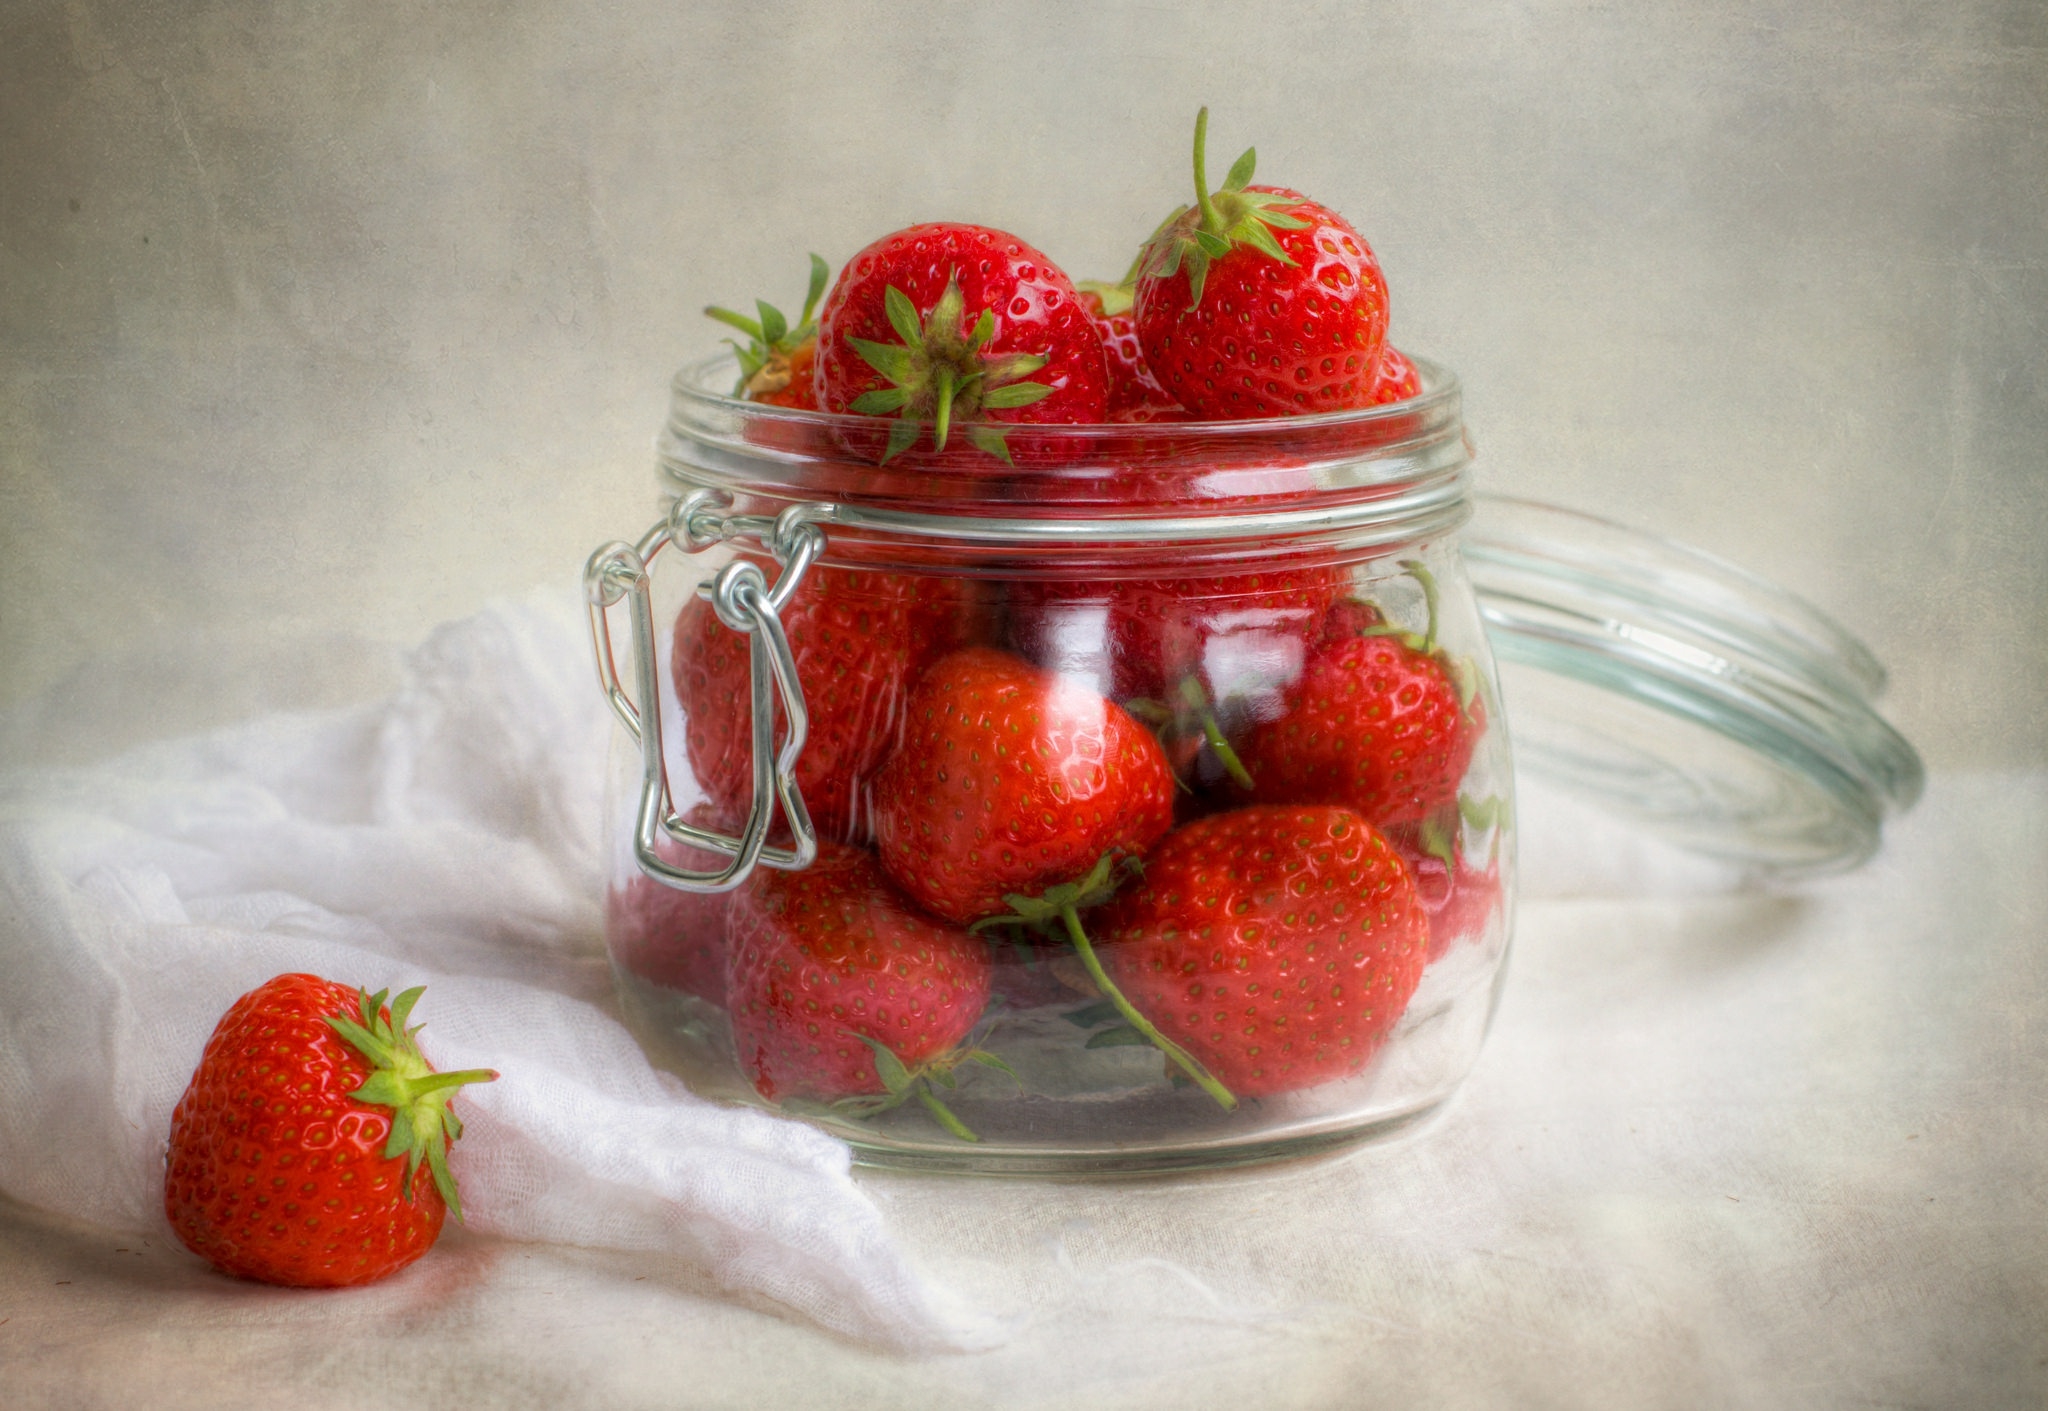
(1376, 475)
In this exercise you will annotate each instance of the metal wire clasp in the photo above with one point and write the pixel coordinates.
(745, 602)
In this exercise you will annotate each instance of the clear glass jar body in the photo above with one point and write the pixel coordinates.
(1161, 793)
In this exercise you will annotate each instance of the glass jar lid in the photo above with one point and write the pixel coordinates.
(1684, 694)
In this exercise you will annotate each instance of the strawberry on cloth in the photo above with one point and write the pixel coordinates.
(296, 1154)
(446, 836)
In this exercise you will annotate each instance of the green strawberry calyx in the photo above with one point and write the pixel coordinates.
(902, 1082)
(1464, 674)
(1116, 298)
(1062, 904)
(1195, 236)
(422, 1122)
(771, 339)
(942, 372)
(1442, 834)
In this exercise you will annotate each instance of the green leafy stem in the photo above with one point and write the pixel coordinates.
(1062, 905)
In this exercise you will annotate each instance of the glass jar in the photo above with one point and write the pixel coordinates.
(1117, 798)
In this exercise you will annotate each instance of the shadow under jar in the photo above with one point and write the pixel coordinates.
(1140, 803)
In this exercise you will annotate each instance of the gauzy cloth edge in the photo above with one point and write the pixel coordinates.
(446, 837)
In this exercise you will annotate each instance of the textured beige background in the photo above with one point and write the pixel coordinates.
(322, 323)
(335, 319)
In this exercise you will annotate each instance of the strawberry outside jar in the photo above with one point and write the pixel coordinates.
(1138, 797)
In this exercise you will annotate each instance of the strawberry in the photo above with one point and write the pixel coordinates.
(1032, 920)
(1134, 393)
(1276, 945)
(1380, 721)
(1459, 899)
(1256, 301)
(1457, 895)
(1396, 379)
(294, 1151)
(840, 989)
(777, 361)
(1232, 633)
(1011, 779)
(669, 936)
(1185, 651)
(860, 638)
(948, 323)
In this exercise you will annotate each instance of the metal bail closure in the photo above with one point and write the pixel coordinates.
(745, 602)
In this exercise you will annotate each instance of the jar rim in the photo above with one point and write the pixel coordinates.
(1394, 473)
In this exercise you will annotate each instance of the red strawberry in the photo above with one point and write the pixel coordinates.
(669, 936)
(839, 988)
(1278, 946)
(777, 361)
(1459, 900)
(1378, 722)
(859, 638)
(1133, 390)
(1351, 617)
(1258, 302)
(1011, 780)
(1457, 895)
(1232, 634)
(294, 1151)
(1201, 652)
(1396, 380)
(949, 323)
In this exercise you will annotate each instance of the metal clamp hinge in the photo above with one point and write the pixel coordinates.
(744, 601)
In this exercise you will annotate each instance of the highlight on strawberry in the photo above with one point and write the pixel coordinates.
(1014, 799)
(1278, 946)
(1257, 302)
(947, 324)
(1383, 720)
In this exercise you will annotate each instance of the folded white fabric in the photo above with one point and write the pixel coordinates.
(447, 837)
